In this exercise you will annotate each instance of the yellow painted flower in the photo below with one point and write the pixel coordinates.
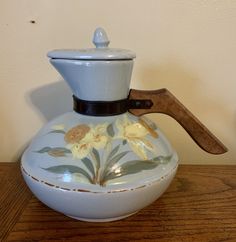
(94, 138)
(135, 134)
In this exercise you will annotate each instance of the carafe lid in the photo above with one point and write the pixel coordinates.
(101, 52)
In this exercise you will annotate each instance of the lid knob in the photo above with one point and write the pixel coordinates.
(100, 38)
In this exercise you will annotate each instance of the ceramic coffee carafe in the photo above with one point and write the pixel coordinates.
(105, 161)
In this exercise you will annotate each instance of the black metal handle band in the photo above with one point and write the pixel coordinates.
(108, 108)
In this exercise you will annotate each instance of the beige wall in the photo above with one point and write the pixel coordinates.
(186, 46)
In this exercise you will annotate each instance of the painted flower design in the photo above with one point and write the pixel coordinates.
(102, 150)
(77, 133)
(134, 133)
(83, 138)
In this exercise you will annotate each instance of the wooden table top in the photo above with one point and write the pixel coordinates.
(200, 205)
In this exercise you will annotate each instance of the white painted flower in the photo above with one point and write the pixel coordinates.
(135, 134)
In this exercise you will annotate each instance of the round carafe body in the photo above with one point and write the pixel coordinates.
(99, 168)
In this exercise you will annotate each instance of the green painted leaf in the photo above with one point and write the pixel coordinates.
(108, 160)
(88, 163)
(135, 166)
(162, 159)
(97, 157)
(130, 167)
(57, 132)
(124, 142)
(110, 130)
(55, 151)
(113, 161)
(43, 150)
(113, 152)
(62, 169)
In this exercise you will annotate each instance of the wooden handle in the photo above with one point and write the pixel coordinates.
(165, 102)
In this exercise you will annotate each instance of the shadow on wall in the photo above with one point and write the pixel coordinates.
(51, 100)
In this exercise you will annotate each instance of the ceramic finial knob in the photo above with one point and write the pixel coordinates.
(100, 38)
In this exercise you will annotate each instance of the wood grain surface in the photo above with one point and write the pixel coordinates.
(200, 205)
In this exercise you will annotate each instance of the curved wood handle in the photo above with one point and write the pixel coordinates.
(165, 102)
